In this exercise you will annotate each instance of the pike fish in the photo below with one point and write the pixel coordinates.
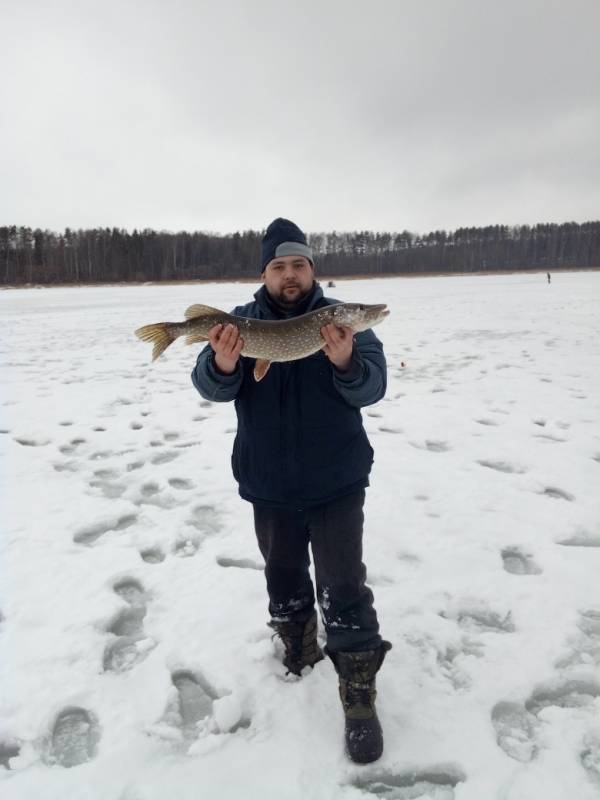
(265, 340)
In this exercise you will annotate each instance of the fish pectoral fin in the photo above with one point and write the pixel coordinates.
(192, 338)
(198, 310)
(261, 368)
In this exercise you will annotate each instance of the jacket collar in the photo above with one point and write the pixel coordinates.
(273, 311)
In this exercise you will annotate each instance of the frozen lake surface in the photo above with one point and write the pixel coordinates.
(136, 662)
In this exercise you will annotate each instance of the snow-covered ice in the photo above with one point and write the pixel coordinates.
(136, 662)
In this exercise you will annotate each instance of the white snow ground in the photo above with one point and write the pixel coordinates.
(136, 663)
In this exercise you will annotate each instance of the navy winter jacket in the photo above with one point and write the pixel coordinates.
(300, 440)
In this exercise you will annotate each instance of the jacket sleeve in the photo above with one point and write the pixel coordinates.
(365, 381)
(212, 384)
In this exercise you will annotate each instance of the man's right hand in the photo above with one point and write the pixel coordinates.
(227, 344)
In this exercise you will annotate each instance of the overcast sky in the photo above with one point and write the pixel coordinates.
(219, 116)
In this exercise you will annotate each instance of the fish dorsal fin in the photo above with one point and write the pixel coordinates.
(198, 310)
(261, 368)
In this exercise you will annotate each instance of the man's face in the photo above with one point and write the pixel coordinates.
(288, 279)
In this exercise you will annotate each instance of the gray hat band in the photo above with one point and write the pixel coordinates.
(293, 249)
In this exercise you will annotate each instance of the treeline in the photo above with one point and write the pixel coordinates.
(112, 255)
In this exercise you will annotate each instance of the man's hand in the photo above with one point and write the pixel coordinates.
(338, 345)
(227, 343)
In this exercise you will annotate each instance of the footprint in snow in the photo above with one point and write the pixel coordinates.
(581, 538)
(516, 725)
(558, 494)
(26, 442)
(150, 494)
(152, 555)
(569, 693)
(197, 709)
(9, 748)
(548, 437)
(181, 483)
(164, 458)
(191, 704)
(487, 422)
(67, 466)
(206, 519)
(482, 619)
(590, 758)
(101, 454)
(242, 563)
(434, 783)
(92, 533)
(129, 621)
(517, 562)
(170, 436)
(186, 546)
(437, 446)
(131, 645)
(74, 738)
(502, 466)
(108, 489)
(390, 429)
(195, 698)
(586, 645)
(515, 731)
(106, 474)
(448, 662)
(434, 446)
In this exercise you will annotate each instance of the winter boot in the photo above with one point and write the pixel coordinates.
(356, 671)
(300, 641)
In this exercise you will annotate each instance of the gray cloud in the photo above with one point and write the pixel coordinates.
(212, 116)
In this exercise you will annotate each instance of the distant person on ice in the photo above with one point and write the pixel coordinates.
(548, 276)
(302, 458)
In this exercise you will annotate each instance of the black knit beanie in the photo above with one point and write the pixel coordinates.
(284, 238)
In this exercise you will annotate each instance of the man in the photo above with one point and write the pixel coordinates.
(302, 458)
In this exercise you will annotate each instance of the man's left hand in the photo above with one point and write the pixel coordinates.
(338, 345)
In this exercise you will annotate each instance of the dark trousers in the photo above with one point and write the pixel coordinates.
(334, 531)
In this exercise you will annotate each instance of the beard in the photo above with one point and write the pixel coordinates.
(288, 299)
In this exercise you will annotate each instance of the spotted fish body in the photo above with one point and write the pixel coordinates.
(265, 340)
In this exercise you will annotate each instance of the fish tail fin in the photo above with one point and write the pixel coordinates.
(159, 335)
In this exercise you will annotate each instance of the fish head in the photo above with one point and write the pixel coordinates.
(358, 316)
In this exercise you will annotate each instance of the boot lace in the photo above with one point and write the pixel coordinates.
(359, 694)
